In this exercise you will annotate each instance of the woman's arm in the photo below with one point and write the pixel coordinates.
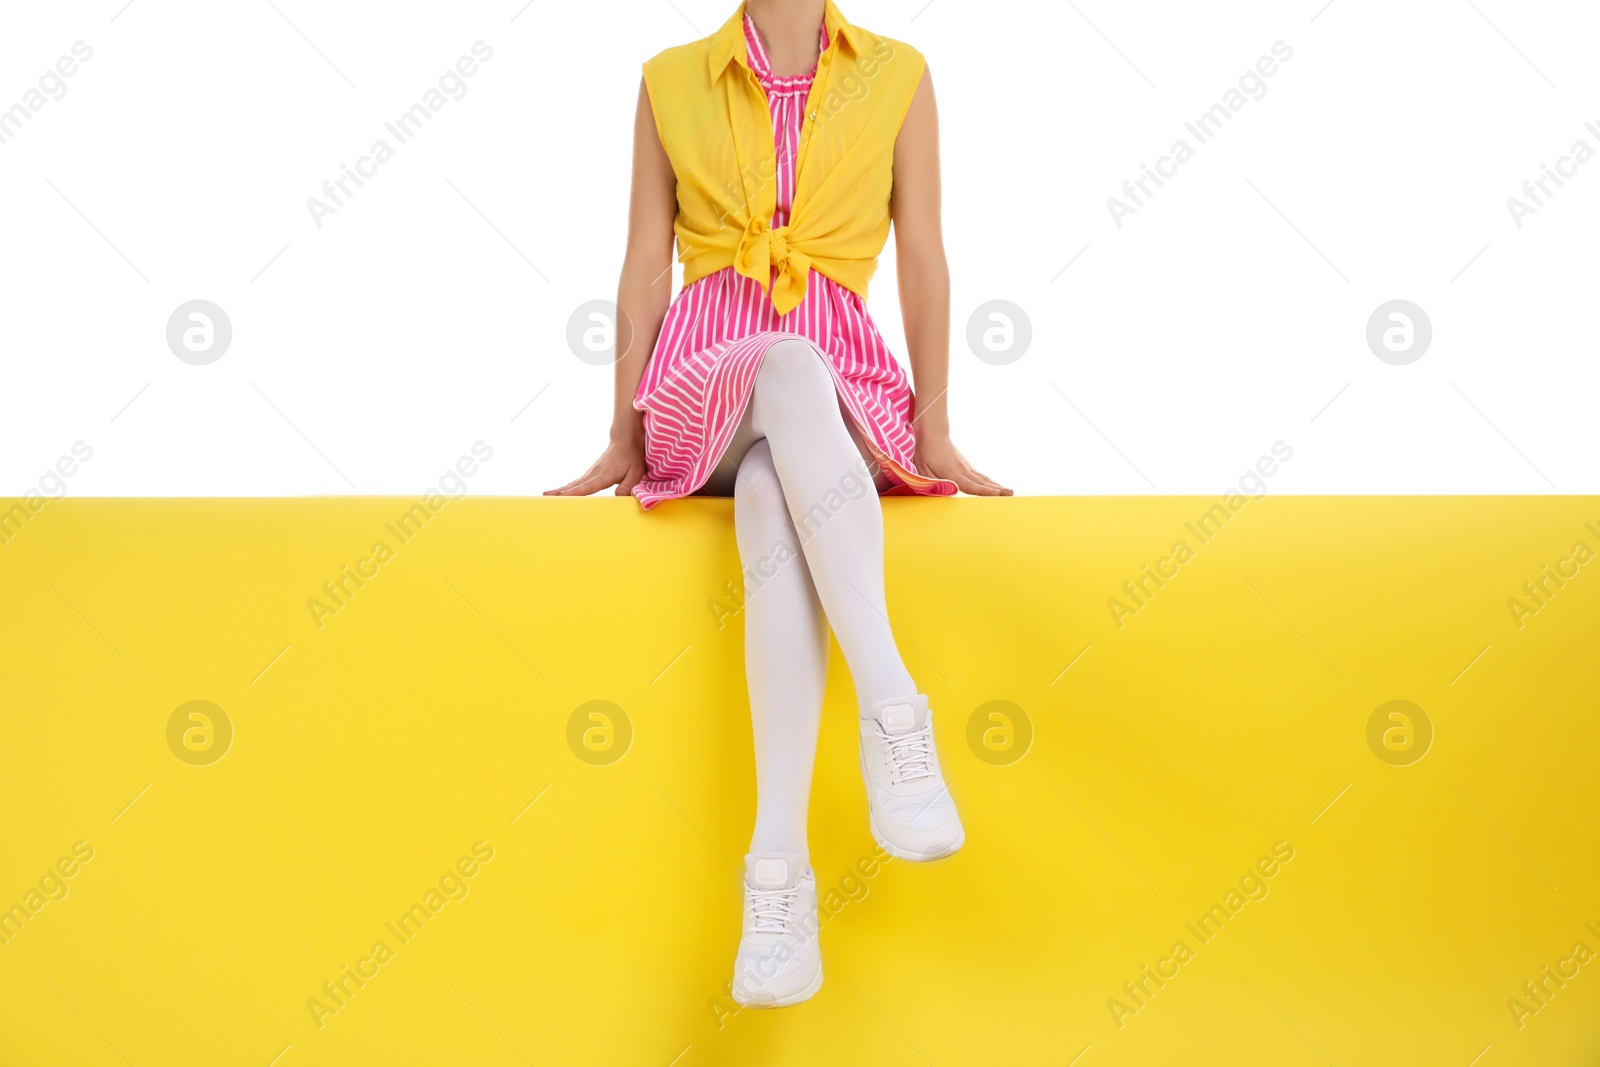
(925, 293)
(643, 294)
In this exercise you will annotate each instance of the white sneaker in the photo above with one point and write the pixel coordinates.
(912, 815)
(779, 961)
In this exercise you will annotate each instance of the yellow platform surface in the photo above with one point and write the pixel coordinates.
(1320, 793)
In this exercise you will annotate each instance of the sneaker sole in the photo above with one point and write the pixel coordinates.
(915, 857)
(763, 1001)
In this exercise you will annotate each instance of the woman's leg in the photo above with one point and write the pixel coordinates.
(839, 523)
(833, 505)
(810, 536)
(786, 661)
(786, 655)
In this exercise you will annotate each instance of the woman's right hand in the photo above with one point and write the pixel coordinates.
(621, 464)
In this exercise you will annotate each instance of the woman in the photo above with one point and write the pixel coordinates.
(776, 151)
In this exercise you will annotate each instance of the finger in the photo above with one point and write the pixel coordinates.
(586, 486)
(999, 489)
(986, 480)
(563, 490)
(971, 486)
(629, 480)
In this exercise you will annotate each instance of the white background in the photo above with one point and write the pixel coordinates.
(1228, 313)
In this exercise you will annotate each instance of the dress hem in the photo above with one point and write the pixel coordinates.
(903, 480)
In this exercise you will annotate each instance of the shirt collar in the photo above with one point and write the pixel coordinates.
(727, 44)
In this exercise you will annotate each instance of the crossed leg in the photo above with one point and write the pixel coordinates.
(810, 533)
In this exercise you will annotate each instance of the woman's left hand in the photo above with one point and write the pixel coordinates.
(938, 457)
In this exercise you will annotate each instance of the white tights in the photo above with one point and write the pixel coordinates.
(810, 533)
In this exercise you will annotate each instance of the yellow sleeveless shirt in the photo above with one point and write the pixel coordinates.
(714, 123)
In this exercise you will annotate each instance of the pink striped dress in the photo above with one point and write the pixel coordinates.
(698, 381)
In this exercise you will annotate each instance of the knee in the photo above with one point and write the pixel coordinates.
(796, 369)
(791, 355)
(756, 487)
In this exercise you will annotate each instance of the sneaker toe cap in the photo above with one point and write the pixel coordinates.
(928, 812)
(769, 974)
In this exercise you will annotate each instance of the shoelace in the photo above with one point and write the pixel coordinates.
(910, 755)
(770, 908)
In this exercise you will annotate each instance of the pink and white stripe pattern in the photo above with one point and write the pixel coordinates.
(786, 99)
(699, 379)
